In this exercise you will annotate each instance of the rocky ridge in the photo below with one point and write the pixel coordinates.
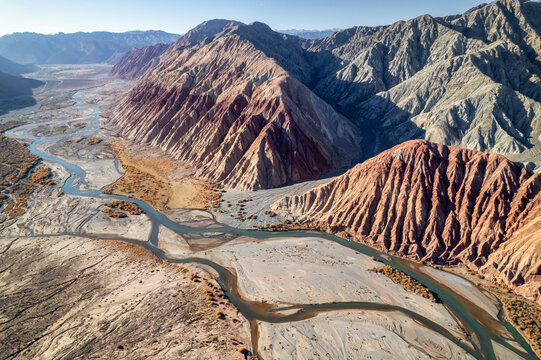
(237, 115)
(444, 205)
(137, 62)
(470, 80)
(77, 48)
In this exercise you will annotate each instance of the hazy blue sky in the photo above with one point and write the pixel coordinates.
(52, 16)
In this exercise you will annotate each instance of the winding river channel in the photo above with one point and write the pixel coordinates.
(483, 329)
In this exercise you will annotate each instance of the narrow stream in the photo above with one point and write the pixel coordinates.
(480, 326)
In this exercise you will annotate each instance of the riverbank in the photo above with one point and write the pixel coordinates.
(157, 179)
(522, 313)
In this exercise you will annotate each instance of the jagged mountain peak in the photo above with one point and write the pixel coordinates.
(470, 80)
(286, 50)
(229, 108)
(137, 62)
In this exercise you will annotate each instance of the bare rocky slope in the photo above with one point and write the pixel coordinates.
(470, 80)
(135, 63)
(234, 112)
(440, 204)
(205, 30)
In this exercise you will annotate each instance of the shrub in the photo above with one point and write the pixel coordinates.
(114, 213)
(94, 141)
(43, 177)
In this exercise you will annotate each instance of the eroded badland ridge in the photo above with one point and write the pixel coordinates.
(439, 204)
(163, 237)
(254, 109)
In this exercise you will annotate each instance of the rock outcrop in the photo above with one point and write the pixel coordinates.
(518, 260)
(234, 112)
(439, 204)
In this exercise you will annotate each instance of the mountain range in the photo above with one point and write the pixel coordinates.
(471, 80)
(252, 108)
(139, 60)
(440, 204)
(77, 48)
(309, 34)
(12, 68)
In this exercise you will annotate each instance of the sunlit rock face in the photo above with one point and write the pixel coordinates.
(254, 109)
(437, 203)
(77, 48)
(237, 114)
(137, 62)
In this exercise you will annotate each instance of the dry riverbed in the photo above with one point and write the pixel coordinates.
(72, 297)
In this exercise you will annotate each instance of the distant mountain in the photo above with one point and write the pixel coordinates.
(136, 62)
(11, 85)
(309, 34)
(77, 48)
(440, 204)
(12, 68)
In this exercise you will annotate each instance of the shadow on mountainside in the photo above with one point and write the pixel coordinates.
(16, 92)
(376, 136)
(318, 71)
(15, 103)
(383, 136)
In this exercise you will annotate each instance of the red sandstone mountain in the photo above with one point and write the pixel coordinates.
(236, 114)
(440, 204)
(470, 80)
